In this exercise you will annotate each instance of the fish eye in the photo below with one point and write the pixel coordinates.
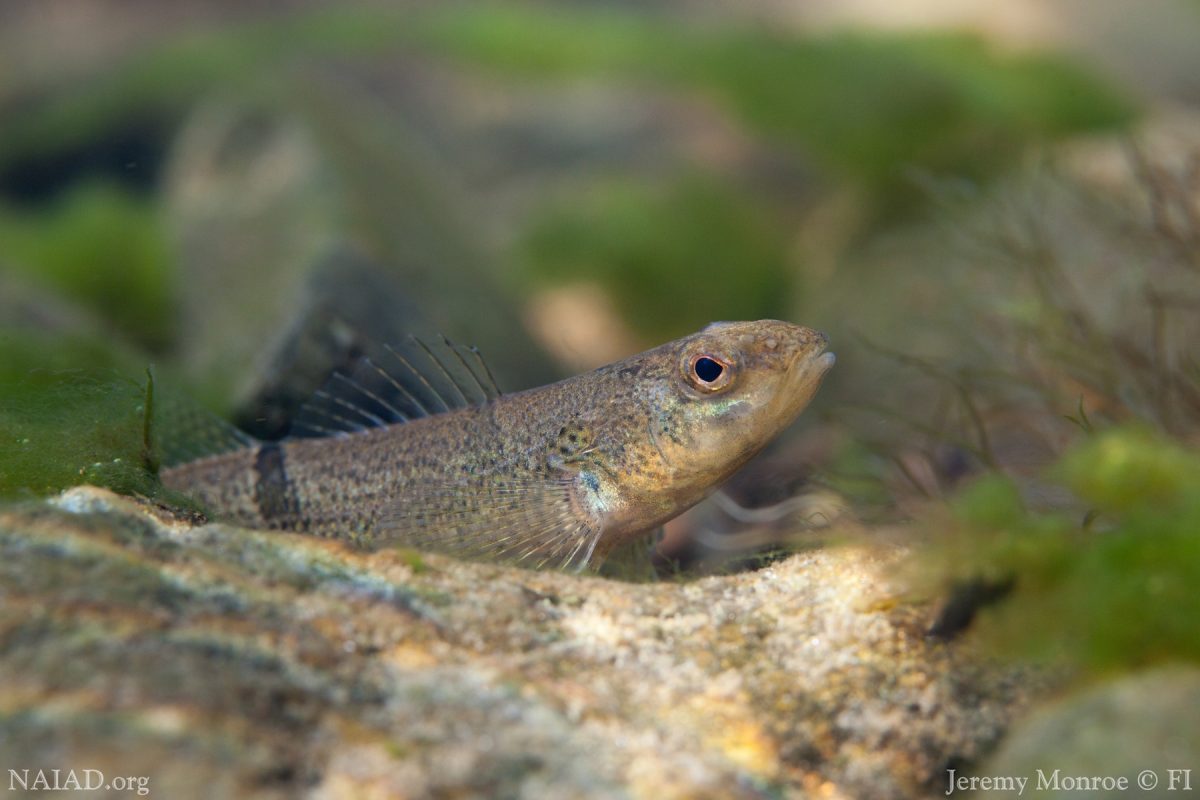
(707, 369)
(708, 372)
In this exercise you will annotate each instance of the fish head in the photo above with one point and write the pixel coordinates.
(721, 395)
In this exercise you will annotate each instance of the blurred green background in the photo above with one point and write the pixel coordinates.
(992, 209)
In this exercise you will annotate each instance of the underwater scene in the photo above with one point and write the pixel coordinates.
(675, 399)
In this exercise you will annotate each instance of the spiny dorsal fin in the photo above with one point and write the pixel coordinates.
(529, 522)
(415, 379)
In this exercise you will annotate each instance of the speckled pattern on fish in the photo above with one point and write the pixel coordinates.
(553, 476)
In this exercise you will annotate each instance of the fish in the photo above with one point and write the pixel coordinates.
(419, 448)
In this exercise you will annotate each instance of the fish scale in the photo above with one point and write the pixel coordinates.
(554, 476)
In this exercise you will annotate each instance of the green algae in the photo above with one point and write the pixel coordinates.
(871, 104)
(69, 415)
(1110, 587)
(102, 247)
(72, 412)
(874, 105)
(707, 246)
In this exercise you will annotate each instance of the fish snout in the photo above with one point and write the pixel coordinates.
(810, 351)
(798, 343)
(775, 344)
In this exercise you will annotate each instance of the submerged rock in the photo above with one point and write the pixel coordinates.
(223, 662)
(1137, 735)
(308, 227)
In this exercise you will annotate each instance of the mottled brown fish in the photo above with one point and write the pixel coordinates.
(554, 476)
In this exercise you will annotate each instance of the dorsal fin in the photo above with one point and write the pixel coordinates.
(395, 384)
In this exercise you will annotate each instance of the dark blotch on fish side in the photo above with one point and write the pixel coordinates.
(274, 494)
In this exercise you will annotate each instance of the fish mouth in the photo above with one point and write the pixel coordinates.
(816, 359)
(806, 373)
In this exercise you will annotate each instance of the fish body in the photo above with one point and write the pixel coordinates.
(558, 475)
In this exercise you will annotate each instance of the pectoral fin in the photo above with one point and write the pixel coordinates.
(536, 523)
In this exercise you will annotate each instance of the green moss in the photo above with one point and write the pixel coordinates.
(674, 257)
(872, 105)
(68, 416)
(1116, 592)
(990, 504)
(1134, 472)
(546, 41)
(102, 247)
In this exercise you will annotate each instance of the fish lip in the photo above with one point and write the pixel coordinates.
(822, 358)
(818, 356)
(822, 342)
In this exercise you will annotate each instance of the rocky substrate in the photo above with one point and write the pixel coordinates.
(223, 662)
